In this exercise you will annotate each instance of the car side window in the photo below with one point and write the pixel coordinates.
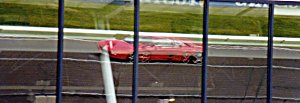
(179, 43)
(163, 43)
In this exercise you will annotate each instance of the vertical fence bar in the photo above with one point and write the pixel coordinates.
(270, 52)
(205, 50)
(59, 70)
(136, 51)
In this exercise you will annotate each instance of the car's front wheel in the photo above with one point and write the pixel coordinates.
(143, 57)
(192, 59)
(130, 58)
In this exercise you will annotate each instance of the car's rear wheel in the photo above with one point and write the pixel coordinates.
(186, 57)
(144, 56)
(130, 58)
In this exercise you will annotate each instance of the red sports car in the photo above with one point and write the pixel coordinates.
(154, 49)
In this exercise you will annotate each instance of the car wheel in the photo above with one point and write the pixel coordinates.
(186, 57)
(144, 56)
(130, 58)
(193, 60)
(190, 59)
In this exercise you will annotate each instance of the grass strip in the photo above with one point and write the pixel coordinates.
(160, 19)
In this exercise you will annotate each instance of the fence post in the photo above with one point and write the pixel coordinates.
(270, 52)
(205, 50)
(136, 51)
(60, 46)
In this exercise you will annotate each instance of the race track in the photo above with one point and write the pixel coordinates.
(236, 74)
(90, 47)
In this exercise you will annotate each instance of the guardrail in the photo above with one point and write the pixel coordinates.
(99, 35)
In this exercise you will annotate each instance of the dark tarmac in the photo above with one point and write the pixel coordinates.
(230, 79)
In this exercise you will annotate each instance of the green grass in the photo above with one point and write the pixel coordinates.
(153, 18)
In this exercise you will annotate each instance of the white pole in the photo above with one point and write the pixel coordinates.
(108, 77)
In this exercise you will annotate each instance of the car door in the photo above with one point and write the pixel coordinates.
(164, 50)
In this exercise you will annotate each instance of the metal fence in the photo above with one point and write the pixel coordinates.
(205, 84)
(136, 43)
(157, 81)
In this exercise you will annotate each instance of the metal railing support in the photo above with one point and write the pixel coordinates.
(205, 50)
(59, 70)
(136, 51)
(270, 53)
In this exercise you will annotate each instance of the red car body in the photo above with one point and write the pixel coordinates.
(154, 49)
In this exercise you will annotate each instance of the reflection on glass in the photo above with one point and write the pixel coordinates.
(236, 67)
(28, 52)
(171, 32)
(236, 63)
(286, 53)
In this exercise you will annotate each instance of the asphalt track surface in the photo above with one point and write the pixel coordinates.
(230, 80)
(83, 46)
(236, 74)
